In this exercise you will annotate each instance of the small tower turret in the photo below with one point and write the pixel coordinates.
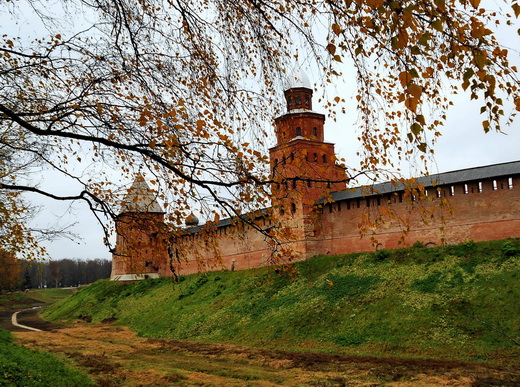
(140, 248)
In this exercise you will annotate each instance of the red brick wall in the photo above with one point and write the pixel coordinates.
(487, 215)
(139, 241)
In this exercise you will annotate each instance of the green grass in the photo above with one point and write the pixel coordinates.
(32, 297)
(20, 366)
(456, 302)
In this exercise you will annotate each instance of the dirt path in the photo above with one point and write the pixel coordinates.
(115, 356)
(27, 317)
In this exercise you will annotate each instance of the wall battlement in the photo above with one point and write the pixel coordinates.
(481, 203)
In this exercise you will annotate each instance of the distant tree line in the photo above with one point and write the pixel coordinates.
(16, 274)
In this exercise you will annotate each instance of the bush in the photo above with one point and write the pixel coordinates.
(381, 255)
(509, 249)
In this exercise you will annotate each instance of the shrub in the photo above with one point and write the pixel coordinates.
(381, 255)
(509, 249)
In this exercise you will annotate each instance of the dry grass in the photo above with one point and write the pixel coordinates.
(113, 355)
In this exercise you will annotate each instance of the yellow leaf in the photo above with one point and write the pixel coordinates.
(331, 48)
(405, 77)
(411, 103)
(516, 9)
(336, 29)
(415, 90)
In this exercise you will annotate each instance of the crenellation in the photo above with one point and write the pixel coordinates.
(481, 203)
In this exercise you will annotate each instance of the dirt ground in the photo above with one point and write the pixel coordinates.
(114, 356)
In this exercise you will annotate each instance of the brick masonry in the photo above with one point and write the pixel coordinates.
(478, 204)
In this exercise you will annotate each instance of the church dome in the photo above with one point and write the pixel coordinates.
(192, 220)
(297, 79)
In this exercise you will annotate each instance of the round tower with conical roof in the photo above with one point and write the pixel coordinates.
(140, 251)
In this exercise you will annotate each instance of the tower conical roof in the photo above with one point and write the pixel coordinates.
(140, 198)
(297, 78)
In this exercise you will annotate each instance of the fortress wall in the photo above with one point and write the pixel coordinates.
(240, 247)
(479, 210)
(139, 246)
(485, 210)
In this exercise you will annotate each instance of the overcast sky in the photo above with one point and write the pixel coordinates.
(462, 145)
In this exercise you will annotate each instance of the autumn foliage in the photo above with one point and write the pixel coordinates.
(184, 91)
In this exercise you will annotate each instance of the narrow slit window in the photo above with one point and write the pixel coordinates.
(495, 185)
(315, 131)
(465, 189)
(315, 157)
(452, 190)
(510, 183)
(324, 158)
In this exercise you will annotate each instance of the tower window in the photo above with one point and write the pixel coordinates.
(315, 157)
(315, 132)
(292, 157)
(307, 100)
(298, 131)
(293, 208)
(324, 158)
(298, 100)
(289, 101)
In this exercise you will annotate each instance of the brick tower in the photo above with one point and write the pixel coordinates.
(140, 248)
(303, 166)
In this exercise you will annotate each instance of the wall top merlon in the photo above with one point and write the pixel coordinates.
(495, 171)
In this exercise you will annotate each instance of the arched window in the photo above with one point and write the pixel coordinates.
(298, 131)
(315, 132)
(293, 208)
(324, 158)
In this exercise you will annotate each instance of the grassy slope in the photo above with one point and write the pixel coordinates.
(458, 302)
(20, 366)
(32, 297)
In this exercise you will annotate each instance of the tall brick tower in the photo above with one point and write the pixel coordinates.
(303, 166)
(140, 248)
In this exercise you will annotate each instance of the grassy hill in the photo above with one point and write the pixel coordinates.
(453, 302)
(32, 297)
